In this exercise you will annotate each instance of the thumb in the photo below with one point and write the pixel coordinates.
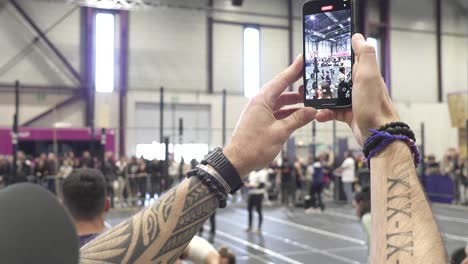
(299, 118)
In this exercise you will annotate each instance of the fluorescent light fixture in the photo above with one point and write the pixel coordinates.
(251, 61)
(341, 26)
(349, 19)
(104, 50)
(312, 17)
(329, 27)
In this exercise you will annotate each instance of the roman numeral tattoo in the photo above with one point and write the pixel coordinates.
(398, 241)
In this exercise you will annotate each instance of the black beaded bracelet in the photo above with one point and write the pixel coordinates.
(393, 128)
(212, 183)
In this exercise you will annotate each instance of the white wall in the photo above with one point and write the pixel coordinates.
(234, 108)
(40, 66)
(167, 47)
(34, 104)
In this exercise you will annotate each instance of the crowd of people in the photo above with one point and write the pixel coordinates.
(327, 78)
(453, 166)
(129, 181)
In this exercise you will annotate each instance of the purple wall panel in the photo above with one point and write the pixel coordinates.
(37, 134)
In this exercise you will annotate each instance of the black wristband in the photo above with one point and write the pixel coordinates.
(223, 166)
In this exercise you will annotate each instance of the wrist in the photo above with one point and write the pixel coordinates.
(236, 160)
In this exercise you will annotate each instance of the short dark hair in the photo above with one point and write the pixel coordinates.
(342, 69)
(363, 199)
(84, 194)
(458, 256)
(224, 252)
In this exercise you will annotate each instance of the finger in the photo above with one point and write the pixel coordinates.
(342, 115)
(325, 115)
(288, 99)
(283, 113)
(277, 85)
(365, 52)
(298, 119)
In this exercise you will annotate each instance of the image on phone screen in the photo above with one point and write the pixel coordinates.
(327, 53)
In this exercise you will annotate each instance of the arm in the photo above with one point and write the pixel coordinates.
(403, 227)
(160, 233)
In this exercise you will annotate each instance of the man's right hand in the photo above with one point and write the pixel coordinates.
(372, 106)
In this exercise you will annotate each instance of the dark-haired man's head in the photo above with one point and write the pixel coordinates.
(227, 257)
(84, 195)
(326, 90)
(342, 70)
(459, 256)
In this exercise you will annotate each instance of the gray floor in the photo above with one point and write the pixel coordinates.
(332, 237)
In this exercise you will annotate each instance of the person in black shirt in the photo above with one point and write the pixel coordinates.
(156, 177)
(288, 184)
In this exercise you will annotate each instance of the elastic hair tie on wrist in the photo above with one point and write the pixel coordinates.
(385, 139)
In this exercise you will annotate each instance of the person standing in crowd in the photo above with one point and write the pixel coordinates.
(23, 168)
(462, 178)
(132, 171)
(121, 182)
(86, 160)
(255, 184)
(326, 91)
(40, 170)
(4, 171)
(64, 171)
(85, 197)
(347, 170)
(173, 171)
(460, 256)
(362, 206)
(109, 170)
(328, 78)
(156, 178)
(141, 178)
(300, 178)
(316, 186)
(432, 166)
(288, 183)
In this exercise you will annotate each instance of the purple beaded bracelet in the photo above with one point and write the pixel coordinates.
(387, 139)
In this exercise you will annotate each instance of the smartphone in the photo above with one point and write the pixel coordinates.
(328, 57)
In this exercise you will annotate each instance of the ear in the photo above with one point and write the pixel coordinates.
(107, 205)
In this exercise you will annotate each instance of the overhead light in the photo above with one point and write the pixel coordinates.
(336, 32)
(341, 26)
(329, 27)
(349, 19)
(312, 17)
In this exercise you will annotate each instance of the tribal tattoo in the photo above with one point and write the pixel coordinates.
(159, 233)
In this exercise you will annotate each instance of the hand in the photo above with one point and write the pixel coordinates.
(265, 125)
(372, 106)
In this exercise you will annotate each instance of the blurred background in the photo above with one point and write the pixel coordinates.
(166, 80)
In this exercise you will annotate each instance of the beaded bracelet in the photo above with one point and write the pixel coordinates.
(212, 183)
(386, 139)
(395, 128)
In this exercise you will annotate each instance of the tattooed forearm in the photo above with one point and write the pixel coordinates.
(159, 233)
(399, 209)
(403, 228)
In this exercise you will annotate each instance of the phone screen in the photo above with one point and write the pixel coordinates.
(327, 28)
